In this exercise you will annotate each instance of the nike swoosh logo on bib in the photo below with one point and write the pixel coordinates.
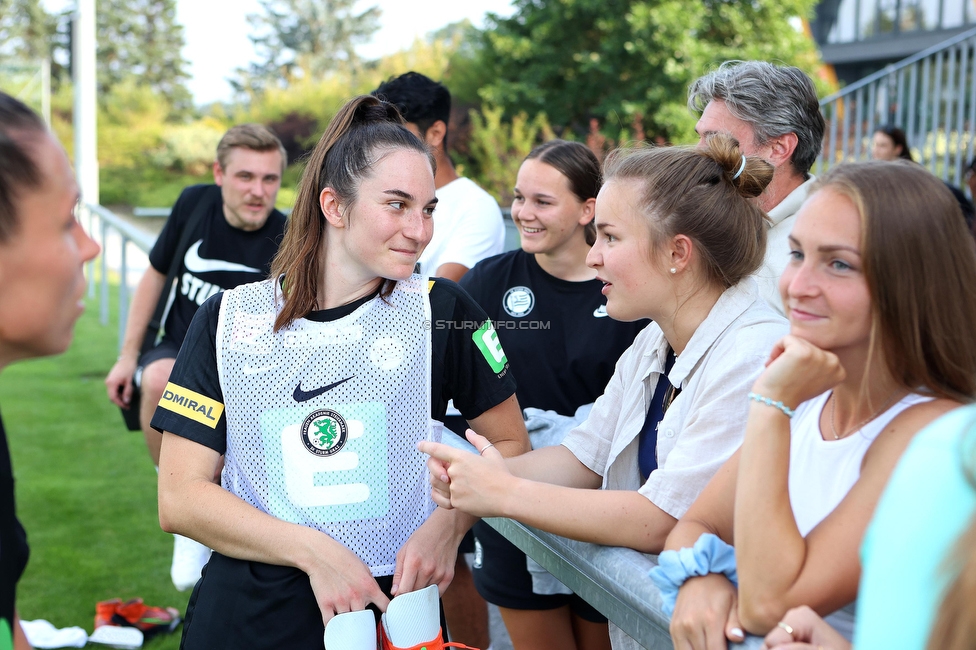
(600, 312)
(196, 264)
(303, 396)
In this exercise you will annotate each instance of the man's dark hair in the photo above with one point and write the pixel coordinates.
(19, 127)
(420, 99)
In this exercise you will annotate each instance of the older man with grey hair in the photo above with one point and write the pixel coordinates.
(773, 112)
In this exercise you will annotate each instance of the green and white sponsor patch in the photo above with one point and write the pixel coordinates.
(486, 338)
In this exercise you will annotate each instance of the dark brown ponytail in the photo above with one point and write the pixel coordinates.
(363, 130)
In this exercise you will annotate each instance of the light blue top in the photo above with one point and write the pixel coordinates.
(928, 503)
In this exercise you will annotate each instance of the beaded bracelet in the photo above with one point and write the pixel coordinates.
(787, 411)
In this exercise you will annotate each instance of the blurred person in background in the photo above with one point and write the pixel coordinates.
(229, 232)
(773, 112)
(890, 143)
(468, 225)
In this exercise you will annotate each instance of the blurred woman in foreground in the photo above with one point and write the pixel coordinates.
(42, 251)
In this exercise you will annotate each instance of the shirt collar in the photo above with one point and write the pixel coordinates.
(733, 302)
(791, 204)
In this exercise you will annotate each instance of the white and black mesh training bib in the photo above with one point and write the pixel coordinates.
(323, 419)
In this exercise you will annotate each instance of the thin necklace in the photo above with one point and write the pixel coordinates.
(833, 409)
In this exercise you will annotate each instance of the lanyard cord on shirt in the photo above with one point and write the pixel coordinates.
(664, 394)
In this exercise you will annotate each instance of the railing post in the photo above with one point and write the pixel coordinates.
(872, 108)
(845, 139)
(936, 114)
(841, 106)
(911, 127)
(960, 101)
(950, 81)
(90, 264)
(123, 290)
(899, 107)
(103, 307)
(971, 46)
(924, 117)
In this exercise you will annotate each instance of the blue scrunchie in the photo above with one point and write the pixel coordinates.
(709, 555)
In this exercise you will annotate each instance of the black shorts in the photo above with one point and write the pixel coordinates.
(503, 580)
(165, 350)
(467, 543)
(243, 604)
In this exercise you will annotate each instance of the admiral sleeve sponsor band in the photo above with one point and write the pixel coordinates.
(192, 405)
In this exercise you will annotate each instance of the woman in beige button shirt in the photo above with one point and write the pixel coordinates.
(677, 241)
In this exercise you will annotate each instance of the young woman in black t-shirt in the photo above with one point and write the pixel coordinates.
(551, 318)
(314, 384)
(42, 252)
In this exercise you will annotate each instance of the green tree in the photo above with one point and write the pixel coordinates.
(615, 60)
(296, 38)
(498, 148)
(141, 41)
(26, 30)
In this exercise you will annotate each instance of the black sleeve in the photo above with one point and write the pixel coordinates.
(473, 367)
(163, 251)
(195, 385)
(473, 282)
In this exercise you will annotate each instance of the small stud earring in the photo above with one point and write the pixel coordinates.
(673, 270)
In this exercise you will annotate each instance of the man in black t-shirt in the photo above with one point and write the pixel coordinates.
(235, 234)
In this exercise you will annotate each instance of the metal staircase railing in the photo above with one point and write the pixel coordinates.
(931, 96)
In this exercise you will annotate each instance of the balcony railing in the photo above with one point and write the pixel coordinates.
(931, 96)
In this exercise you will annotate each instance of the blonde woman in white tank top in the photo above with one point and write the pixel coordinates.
(871, 358)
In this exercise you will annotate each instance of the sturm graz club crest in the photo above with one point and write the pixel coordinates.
(518, 301)
(324, 432)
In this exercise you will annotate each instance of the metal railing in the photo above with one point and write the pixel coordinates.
(614, 580)
(931, 96)
(103, 223)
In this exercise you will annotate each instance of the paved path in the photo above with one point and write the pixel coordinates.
(499, 635)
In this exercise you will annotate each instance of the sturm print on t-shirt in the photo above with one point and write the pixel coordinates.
(199, 290)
